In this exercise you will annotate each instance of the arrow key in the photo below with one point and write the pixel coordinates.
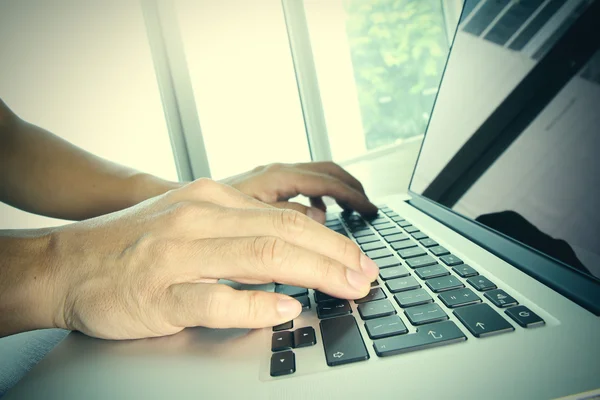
(283, 363)
(282, 341)
(482, 320)
(304, 337)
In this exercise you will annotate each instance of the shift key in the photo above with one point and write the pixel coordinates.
(342, 341)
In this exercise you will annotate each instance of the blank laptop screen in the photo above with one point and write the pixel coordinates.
(532, 175)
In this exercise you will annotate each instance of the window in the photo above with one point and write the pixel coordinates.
(379, 64)
(243, 80)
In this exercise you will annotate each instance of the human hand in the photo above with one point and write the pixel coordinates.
(152, 270)
(276, 184)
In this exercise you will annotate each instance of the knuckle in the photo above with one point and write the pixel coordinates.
(290, 222)
(253, 308)
(182, 213)
(323, 269)
(275, 167)
(270, 251)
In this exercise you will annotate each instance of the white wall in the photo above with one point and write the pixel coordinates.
(84, 71)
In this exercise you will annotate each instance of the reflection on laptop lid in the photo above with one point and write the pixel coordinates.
(513, 139)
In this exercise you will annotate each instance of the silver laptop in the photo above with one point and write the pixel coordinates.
(489, 265)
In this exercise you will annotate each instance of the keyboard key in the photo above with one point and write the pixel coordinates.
(393, 272)
(405, 244)
(380, 253)
(396, 238)
(412, 252)
(397, 218)
(383, 327)
(293, 291)
(437, 334)
(419, 235)
(342, 341)
(379, 220)
(376, 309)
(335, 226)
(283, 363)
(500, 298)
(282, 341)
(321, 297)
(524, 317)
(343, 233)
(425, 314)
(362, 233)
(304, 301)
(381, 227)
(465, 271)
(387, 262)
(304, 337)
(356, 227)
(391, 231)
(373, 246)
(334, 308)
(444, 283)
(283, 327)
(411, 229)
(392, 214)
(404, 224)
(329, 217)
(459, 297)
(481, 320)
(422, 261)
(439, 251)
(402, 284)
(374, 294)
(413, 298)
(433, 271)
(481, 283)
(367, 239)
(451, 260)
(428, 242)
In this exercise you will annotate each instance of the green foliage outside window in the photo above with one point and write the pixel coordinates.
(398, 49)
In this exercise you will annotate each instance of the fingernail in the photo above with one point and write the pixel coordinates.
(288, 308)
(368, 266)
(357, 280)
(316, 214)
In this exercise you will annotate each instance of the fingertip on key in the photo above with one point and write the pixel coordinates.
(358, 281)
(369, 267)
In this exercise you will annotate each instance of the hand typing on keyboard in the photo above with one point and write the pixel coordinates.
(152, 269)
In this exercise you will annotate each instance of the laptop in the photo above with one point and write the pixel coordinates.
(489, 266)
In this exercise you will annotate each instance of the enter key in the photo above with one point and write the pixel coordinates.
(427, 336)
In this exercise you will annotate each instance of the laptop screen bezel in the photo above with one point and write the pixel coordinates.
(573, 284)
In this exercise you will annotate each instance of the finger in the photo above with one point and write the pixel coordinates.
(311, 212)
(331, 168)
(271, 259)
(318, 202)
(314, 184)
(288, 225)
(219, 306)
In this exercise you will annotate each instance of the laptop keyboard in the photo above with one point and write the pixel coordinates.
(424, 283)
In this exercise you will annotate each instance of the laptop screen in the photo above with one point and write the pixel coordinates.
(514, 140)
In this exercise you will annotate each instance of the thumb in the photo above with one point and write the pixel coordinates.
(220, 306)
(312, 212)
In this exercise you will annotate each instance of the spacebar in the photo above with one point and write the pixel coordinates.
(342, 341)
(426, 336)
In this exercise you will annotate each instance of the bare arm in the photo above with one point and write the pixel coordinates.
(44, 174)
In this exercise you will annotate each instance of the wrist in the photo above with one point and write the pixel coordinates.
(28, 292)
(146, 186)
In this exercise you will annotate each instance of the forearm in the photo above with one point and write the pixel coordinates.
(44, 174)
(26, 277)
